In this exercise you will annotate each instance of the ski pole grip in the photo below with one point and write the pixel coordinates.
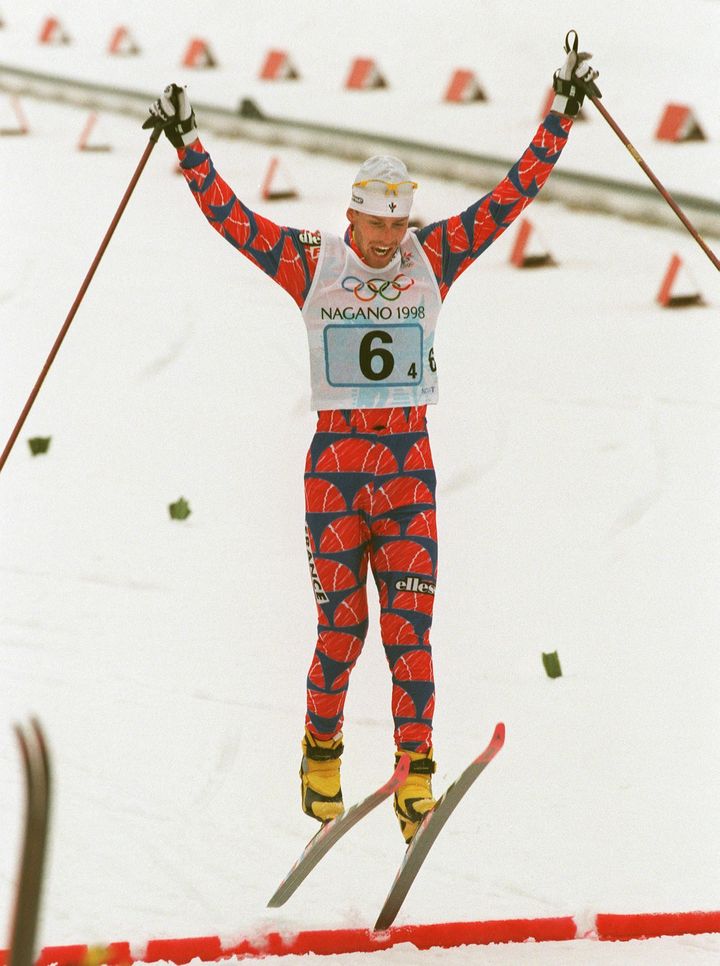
(575, 42)
(591, 89)
(157, 125)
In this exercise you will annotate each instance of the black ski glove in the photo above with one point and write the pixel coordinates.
(173, 112)
(573, 80)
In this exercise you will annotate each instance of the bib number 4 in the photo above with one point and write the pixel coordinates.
(359, 355)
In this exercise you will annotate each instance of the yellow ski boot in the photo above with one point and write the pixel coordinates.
(415, 798)
(320, 777)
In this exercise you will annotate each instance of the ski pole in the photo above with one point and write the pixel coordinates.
(594, 94)
(79, 297)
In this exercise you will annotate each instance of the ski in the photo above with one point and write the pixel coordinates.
(36, 766)
(323, 840)
(430, 828)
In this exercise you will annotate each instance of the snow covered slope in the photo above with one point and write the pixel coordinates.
(649, 56)
(576, 446)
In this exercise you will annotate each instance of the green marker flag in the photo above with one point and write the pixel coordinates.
(39, 444)
(180, 510)
(551, 663)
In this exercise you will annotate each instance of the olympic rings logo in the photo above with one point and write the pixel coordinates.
(388, 289)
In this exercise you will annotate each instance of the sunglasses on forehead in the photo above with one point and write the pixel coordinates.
(391, 187)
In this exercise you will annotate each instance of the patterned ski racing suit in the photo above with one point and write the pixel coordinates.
(369, 476)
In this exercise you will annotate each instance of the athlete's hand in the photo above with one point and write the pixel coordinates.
(173, 112)
(574, 80)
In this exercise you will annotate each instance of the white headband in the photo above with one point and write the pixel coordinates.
(382, 187)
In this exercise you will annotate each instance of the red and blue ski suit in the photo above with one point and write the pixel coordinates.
(369, 475)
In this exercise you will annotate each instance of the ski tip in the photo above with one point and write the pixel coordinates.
(499, 734)
(402, 769)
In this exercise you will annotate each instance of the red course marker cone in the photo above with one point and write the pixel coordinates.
(18, 122)
(198, 54)
(52, 32)
(678, 123)
(677, 289)
(464, 88)
(84, 144)
(122, 43)
(278, 66)
(364, 75)
(276, 185)
(528, 250)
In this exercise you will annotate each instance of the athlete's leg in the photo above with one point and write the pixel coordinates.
(404, 562)
(337, 536)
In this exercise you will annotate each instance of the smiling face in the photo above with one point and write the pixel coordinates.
(377, 238)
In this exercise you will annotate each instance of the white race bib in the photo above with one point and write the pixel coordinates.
(371, 331)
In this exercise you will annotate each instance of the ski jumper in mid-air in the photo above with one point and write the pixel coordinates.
(370, 301)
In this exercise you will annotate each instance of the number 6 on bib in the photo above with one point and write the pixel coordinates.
(360, 355)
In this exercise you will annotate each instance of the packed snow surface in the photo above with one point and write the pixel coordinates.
(576, 445)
